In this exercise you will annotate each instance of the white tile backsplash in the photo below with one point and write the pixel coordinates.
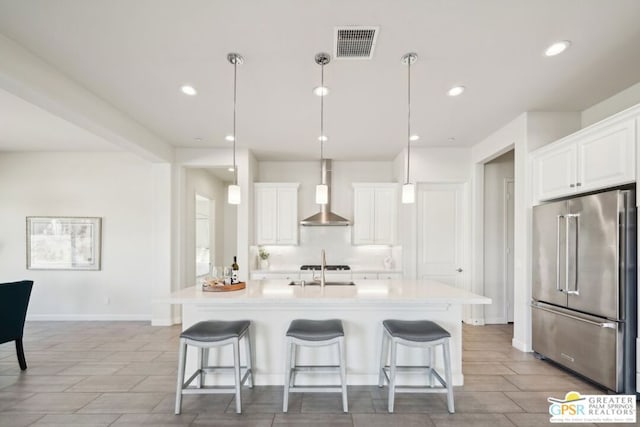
(336, 241)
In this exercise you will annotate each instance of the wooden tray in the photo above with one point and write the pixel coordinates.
(225, 288)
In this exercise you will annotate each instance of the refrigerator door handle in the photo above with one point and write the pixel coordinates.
(559, 220)
(610, 325)
(575, 266)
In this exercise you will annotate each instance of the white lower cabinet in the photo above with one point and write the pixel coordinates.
(275, 276)
(377, 276)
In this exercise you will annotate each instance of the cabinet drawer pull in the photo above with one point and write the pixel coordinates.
(572, 185)
(578, 184)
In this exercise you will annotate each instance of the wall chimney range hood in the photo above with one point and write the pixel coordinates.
(325, 217)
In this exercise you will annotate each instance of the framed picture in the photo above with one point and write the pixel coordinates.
(63, 243)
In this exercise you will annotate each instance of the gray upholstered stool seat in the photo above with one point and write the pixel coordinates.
(415, 333)
(415, 330)
(215, 330)
(315, 330)
(314, 333)
(204, 336)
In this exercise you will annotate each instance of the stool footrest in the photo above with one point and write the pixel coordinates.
(247, 372)
(315, 389)
(433, 372)
(210, 389)
(305, 368)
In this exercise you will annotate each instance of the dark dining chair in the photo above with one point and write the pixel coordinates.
(14, 300)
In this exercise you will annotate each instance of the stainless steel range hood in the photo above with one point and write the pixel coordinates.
(325, 217)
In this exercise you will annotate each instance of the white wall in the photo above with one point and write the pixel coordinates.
(115, 186)
(618, 102)
(495, 173)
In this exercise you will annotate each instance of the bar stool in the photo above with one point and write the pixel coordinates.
(314, 333)
(207, 335)
(415, 333)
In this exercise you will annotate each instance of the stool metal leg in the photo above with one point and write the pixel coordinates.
(383, 358)
(288, 367)
(249, 358)
(200, 364)
(343, 374)
(182, 360)
(432, 362)
(447, 374)
(236, 371)
(392, 374)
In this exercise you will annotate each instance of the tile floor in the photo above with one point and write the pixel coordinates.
(124, 373)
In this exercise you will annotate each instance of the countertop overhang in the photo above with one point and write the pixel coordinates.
(364, 292)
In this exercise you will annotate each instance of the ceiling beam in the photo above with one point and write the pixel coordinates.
(29, 77)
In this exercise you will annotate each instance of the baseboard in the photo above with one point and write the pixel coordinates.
(474, 322)
(521, 346)
(88, 317)
(495, 321)
(166, 321)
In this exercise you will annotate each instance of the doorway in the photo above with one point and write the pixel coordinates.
(203, 237)
(498, 238)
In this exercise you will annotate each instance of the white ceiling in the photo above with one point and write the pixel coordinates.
(25, 127)
(137, 54)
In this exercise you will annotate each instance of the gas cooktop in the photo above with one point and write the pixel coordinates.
(329, 267)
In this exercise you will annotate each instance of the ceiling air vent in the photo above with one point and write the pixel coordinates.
(355, 42)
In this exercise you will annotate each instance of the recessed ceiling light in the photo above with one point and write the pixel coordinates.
(198, 139)
(188, 90)
(230, 169)
(557, 48)
(451, 139)
(323, 138)
(321, 91)
(414, 137)
(229, 138)
(455, 91)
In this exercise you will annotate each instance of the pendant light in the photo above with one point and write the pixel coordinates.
(233, 195)
(409, 189)
(322, 190)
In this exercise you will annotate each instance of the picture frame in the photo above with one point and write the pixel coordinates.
(64, 243)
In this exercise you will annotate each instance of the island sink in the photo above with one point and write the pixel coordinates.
(317, 283)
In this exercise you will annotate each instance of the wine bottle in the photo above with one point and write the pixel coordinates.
(234, 271)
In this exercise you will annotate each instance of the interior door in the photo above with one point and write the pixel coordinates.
(593, 254)
(549, 253)
(440, 239)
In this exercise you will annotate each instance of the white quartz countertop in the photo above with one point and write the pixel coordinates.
(353, 270)
(366, 291)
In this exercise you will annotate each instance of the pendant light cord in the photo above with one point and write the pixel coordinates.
(408, 117)
(322, 124)
(235, 78)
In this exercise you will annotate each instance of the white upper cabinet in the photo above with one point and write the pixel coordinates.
(375, 213)
(600, 156)
(276, 213)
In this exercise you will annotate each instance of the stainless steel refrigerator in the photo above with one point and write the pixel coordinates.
(584, 286)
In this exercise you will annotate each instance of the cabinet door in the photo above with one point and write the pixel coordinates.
(363, 216)
(607, 157)
(266, 213)
(385, 216)
(287, 216)
(554, 172)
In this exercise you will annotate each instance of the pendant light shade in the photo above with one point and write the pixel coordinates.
(233, 193)
(322, 190)
(409, 189)
(409, 193)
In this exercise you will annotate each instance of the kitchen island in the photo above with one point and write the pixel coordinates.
(272, 304)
